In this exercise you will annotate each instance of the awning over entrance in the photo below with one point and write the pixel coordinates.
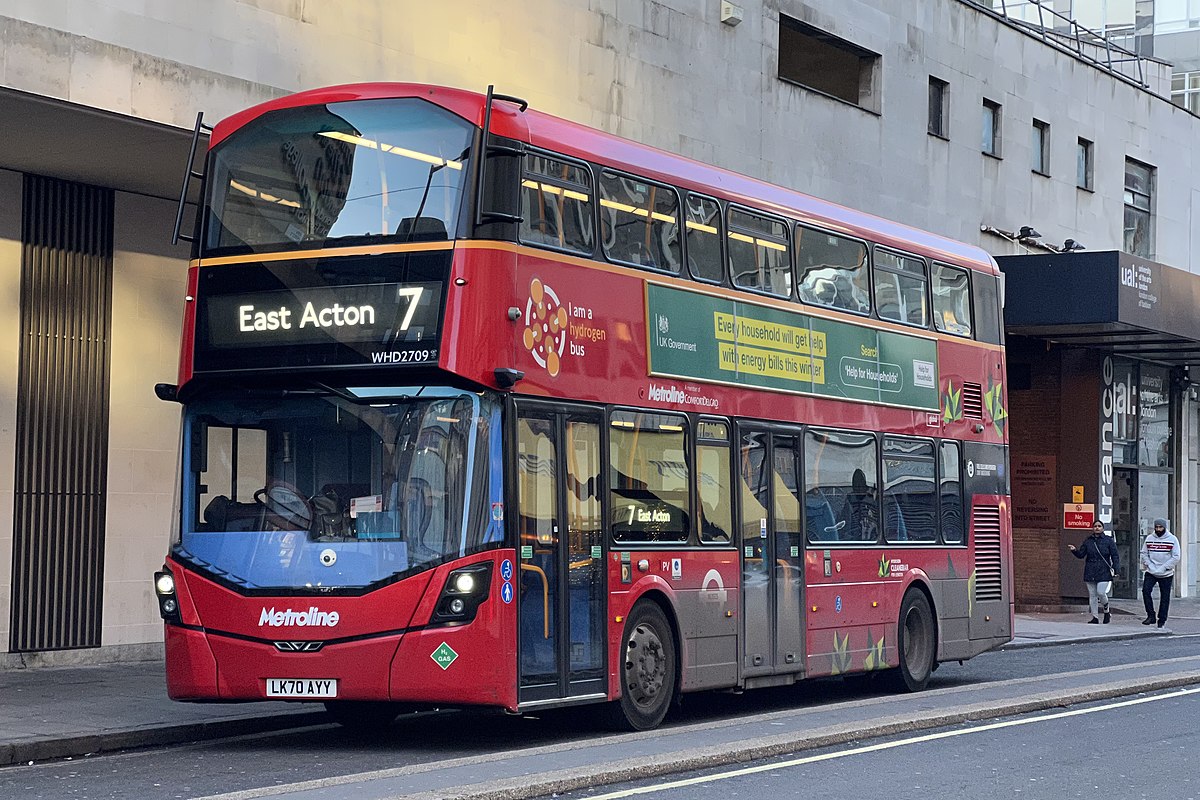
(78, 143)
(1107, 300)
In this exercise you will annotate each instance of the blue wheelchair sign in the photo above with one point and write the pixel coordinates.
(506, 570)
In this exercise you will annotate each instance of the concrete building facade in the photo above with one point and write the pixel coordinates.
(104, 94)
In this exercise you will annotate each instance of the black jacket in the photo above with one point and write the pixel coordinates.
(1096, 548)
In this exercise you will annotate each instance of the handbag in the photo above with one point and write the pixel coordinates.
(1112, 573)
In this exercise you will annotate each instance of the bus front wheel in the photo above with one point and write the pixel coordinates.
(916, 643)
(647, 669)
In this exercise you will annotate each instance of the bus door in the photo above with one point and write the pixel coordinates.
(561, 601)
(772, 549)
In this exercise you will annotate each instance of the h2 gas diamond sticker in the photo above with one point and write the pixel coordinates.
(444, 656)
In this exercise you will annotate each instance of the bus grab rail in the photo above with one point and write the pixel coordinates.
(545, 598)
(188, 176)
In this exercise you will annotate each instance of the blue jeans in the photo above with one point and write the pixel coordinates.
(1165, 582)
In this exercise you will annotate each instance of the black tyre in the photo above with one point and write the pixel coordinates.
(647, 671)
(362, 716)
(916, 644)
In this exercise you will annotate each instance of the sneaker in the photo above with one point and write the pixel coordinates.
(1107, 617)
(1093, 621)
(1161, 624)
(1148, 621)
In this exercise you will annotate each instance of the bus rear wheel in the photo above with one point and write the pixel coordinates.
(916, 644)
(362, 716)
(647, 670)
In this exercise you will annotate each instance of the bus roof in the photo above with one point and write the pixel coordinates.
(580, 141)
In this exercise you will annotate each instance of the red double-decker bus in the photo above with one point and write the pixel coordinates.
(484, 407)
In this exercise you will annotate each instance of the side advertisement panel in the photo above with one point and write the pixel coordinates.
(719, 340)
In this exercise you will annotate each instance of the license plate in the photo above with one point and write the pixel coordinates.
(302, 687)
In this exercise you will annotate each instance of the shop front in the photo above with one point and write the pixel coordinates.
(1101, 352)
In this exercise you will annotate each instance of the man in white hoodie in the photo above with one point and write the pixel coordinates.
(1160, 554)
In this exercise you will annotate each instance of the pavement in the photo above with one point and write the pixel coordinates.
(58, 712)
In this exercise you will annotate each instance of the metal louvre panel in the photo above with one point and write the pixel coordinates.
(62, 415)
(985, 524)
(972, 401)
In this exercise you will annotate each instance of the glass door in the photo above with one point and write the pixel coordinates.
(561, 555)
(772, 553)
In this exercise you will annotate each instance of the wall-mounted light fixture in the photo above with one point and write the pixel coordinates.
(1070, 246)
(731, 14)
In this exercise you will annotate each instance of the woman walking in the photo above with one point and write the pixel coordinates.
(1099, 569)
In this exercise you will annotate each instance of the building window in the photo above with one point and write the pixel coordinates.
(820, 61)
(1083, 164)
(1173, 16)
(939, 98)
(1139, 186)
(991, 128)
(1040, 148)
(1185, 90)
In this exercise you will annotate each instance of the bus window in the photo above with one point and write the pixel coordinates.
(343, 173)
(758, 253)
(832, 270)
(950, 489)
(951, 300)
(900, 288)
(842, 498)
(985, 290)
(714, 481)
(704, 238)
(649, 477)
(556, 204)
(639, 222)
(909, 499)
(235, 467)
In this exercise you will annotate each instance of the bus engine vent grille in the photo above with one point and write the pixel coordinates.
(972, 401)
(985, 521)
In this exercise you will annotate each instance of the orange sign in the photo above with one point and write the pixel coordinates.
(1078, 515)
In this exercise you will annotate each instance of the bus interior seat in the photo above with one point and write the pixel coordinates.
(422, 229)
(819, 520)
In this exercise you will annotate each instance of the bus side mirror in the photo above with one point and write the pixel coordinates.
(168, 392)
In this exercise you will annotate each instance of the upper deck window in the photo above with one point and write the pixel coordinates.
(556, 204)
(833, 270)
(758, 253)
(704, 238)
(900, 288)
(353, 172)
(951, 300)
(639, 222)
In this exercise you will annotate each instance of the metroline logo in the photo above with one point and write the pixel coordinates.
(312, 617)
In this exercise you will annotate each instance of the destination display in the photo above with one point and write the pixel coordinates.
(380, 323)
(709, 338)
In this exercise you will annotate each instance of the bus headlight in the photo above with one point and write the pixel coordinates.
(168, 603)
(164, 583)
(464, 591)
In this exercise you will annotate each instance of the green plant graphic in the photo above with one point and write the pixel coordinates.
(841, 654)
(993, 400)
(951, 404)
(884, 566)
(876, 655)
(971, 593)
